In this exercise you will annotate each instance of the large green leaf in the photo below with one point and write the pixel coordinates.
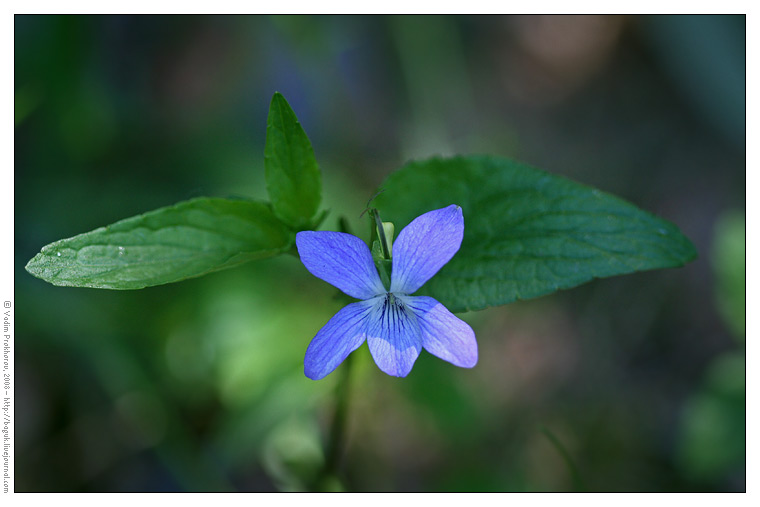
(166, 245)
(293, 179)
(527, 233)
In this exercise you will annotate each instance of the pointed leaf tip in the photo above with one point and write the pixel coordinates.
(294, 181)
(166, 245)
(528, 232)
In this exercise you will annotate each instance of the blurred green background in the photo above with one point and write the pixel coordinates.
(633, 383)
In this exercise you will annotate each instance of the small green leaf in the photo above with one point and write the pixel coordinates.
(166, 245)
(527, 233)
(293, 179)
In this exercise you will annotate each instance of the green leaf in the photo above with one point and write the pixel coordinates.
(527, 233)
(166, 245)
(293, 179)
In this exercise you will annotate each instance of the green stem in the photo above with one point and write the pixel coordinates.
(577, 480)
(336, 442)
(338, 430)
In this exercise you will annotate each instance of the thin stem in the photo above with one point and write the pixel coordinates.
(336, 442)
(338, 431)
(576, 476)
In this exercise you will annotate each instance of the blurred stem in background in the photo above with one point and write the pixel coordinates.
(577, 480)
(430, 51)
(336, 442)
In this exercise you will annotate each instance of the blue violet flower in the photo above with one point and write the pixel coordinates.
(396, 325)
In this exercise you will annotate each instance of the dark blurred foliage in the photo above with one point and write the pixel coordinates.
(633, 383)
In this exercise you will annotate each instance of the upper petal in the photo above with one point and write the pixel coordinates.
(393, 337)
(342, 334)
(443, 334)
(424, 246)
(341, 260)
